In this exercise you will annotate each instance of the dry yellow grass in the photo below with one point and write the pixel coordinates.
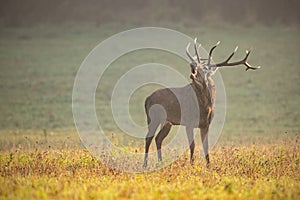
(257, 171)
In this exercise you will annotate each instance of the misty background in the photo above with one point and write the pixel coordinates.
(98, 12)
(43, 43)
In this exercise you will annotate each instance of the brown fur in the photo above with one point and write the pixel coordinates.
(191, 106)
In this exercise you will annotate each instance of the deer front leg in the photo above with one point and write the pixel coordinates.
(204, 138)
(190, 135)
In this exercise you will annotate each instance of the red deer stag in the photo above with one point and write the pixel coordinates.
(182, 106)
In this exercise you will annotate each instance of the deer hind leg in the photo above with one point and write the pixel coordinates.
(190, 135)
(161, 136)
(151, 131)
(204, 138)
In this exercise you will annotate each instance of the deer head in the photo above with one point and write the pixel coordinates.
(202, 68)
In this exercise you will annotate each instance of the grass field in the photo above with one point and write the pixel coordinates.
(264, 171)
(41, 157)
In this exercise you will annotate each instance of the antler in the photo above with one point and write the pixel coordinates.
(226, 62)
(188, 53)
(199, 59)
(211, 51)
(196, 49)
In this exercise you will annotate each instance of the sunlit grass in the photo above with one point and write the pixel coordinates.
(256, 171)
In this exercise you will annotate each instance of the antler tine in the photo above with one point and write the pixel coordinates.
(243, 61)
(188, 53)
(196, 50)
(211, 51)
(199, 51)
(248, 66)
(199, 47)
(231, 55)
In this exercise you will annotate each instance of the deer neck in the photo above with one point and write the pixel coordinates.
(203, 93)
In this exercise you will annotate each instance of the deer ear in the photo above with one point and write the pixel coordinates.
(193, 66)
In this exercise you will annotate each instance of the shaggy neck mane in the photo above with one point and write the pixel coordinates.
(203, 92)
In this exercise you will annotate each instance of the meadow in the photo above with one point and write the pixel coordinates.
(41, 156)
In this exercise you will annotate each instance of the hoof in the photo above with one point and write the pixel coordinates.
(145, 165)
(192, 162)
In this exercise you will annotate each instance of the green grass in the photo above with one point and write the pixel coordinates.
(38, 67)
